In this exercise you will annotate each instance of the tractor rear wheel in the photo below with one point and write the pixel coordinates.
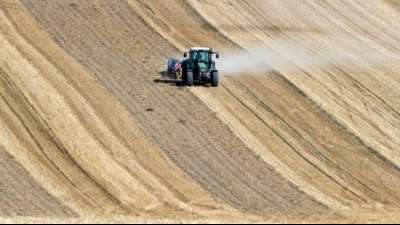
(214, 78)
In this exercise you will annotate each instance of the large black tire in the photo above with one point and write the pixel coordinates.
(184, 77)
(214, 78)
(189, 78)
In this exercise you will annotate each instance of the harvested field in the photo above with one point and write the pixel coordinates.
(91, 130)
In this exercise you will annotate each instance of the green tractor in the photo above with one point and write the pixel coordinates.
(199, 67)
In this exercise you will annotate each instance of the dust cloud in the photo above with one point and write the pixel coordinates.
(289, 56)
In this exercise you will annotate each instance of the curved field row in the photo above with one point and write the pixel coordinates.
(76, 140)
(185, 129)
(92, 128)
(328, 160)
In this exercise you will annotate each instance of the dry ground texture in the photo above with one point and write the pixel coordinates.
(88, 134)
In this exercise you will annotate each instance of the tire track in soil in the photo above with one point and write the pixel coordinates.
(22, 196)
(148, 154)
(114, 43)
(340, 165)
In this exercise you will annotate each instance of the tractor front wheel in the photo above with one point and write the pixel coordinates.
(189, 78)
(214, 78)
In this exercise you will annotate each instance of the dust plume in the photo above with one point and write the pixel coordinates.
(288, 56)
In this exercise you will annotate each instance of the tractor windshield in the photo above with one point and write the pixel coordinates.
(200, 55)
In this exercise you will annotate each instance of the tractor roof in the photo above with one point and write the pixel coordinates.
(200, 49)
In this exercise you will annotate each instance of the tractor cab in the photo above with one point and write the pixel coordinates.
(199, 66)
(201, 54)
